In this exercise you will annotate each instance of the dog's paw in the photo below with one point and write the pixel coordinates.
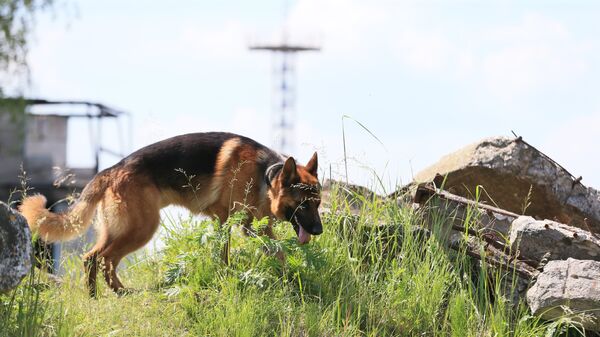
(125, 291)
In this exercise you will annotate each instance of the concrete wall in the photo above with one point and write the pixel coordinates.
(40, 143)
(45, 146)
(11, 147)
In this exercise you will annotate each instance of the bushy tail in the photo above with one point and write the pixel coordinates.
(53, 227)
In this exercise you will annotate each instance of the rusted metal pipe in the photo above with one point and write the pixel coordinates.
(426, 191)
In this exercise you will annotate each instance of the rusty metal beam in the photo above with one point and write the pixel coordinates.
(426, 191)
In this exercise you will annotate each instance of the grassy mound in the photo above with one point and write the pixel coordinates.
(360, 278)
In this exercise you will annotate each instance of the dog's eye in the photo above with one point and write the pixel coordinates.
(297, 209)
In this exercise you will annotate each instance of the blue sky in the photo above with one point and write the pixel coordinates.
(425, 77)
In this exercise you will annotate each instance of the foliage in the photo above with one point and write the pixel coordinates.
(16, 21)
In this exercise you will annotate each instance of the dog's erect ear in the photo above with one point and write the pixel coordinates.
(313, 165)
(289, 175)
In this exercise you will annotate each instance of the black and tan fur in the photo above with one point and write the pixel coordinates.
(209, 173)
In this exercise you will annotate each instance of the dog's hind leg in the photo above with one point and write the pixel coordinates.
(110, 274)
(134, 222)
(91, 259)
(90, 263)
(222, 214)
(268, 231)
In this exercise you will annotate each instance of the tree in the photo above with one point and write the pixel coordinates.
(16, 21)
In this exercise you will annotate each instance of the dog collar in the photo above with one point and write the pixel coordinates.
(271, 172)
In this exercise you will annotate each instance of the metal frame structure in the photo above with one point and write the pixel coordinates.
(284, 80)
(56, 194)
(99, 111)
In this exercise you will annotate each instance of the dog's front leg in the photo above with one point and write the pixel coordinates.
(268, 231)
(247, 229)
(225, 249)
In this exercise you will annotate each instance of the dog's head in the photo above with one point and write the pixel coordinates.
(295, 197)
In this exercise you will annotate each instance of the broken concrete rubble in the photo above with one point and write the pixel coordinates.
(15, 248)
(572, 284)
(487, 218)
(535, 238)
(485, 228)
(354, 195)
(517, 177)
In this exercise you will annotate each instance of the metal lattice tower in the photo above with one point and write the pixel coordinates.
(284, 88)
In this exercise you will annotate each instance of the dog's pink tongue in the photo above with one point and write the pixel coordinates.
(303, 236)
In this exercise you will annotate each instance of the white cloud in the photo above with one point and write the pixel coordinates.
(348, 27)
(243, 120)
(249, 122)
(516, 59)
(534, 54)
(574, 144)
(224, 41)
(45, 65)
(425, 51)
(532, 28)
(152, 128)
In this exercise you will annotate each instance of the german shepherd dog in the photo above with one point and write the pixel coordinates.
(214, 174)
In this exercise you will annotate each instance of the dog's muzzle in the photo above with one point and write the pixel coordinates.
(305, 234)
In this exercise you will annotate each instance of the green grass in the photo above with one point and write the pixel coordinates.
(360, 278)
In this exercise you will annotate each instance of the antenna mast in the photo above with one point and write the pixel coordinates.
(284, 87)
